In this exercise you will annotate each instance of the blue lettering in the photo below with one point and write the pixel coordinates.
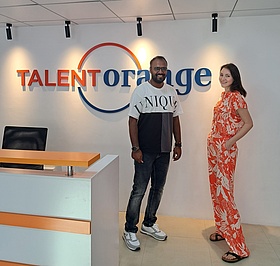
(168, 78)
(188, 80)
(116, 77)
(199, 75)
(142, 79)
(125, 77)
(183, 78)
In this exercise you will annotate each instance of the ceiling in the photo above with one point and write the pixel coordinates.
(55, 12)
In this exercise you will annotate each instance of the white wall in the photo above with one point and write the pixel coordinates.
(250, 42)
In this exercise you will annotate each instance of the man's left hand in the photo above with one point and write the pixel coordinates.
(177, 151)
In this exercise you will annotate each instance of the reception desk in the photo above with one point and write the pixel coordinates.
(50, 218)
(56, 158)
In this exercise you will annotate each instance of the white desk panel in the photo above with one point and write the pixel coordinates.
(92, 196)
(44, 248)
(105, 214)
(45, 195)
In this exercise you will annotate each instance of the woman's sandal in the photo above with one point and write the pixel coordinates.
(234, 257)
(216, 237)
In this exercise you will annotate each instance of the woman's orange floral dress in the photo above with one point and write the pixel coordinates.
(221, 166)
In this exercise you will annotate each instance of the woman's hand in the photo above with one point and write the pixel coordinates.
(248, 124)
(229, 144)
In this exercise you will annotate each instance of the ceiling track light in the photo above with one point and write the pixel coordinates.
(9, 31)
(139, 26)
(214, 22)
(67, 28)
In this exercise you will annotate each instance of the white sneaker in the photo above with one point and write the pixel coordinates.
(154, 232)
(131, 240)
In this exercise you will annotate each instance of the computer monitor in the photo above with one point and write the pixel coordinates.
(24, 138)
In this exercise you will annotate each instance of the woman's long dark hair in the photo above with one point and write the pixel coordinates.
(237, 84)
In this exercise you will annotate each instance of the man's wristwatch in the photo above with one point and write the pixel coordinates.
(135, 148)
(178, 144)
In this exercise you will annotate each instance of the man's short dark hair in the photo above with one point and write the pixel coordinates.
(160, 57)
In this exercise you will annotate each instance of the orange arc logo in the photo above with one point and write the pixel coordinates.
(136, 61)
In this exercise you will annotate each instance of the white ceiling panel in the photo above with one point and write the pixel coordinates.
(256, 12)
(205, 15)
(40, 23)
(149, 18)
(128, 8)
(6, 3)
(97, 20)
(45, 2)
(81, 10)
(5, 20)
(203, 6)
(254, 4)
(28, 13)
(52, 12)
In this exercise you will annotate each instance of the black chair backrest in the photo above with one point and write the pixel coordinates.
(24, 138)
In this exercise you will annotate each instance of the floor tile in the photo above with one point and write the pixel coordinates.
(272, 233)
(276, 248)
(254, 234)
(262, 255)
(188, 244)
(181, 227)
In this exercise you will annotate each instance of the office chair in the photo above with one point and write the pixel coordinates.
(24, 138)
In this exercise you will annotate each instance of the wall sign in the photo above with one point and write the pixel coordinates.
(89, 78)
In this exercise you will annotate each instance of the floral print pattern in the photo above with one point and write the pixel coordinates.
(221, 167)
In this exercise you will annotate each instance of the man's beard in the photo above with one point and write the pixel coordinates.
(158, 80)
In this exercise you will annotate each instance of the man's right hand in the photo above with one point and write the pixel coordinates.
(137, 156)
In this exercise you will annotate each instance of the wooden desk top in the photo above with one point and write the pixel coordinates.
(57, 158)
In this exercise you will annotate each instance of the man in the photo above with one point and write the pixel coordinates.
(153, 119)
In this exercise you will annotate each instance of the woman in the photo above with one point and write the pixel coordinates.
(231, 121)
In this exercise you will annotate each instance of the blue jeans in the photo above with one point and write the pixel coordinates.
(155, 167)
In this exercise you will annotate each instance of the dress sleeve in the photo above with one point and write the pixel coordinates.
(238, 101)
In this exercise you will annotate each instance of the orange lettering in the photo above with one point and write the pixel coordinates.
(35, 77)
(61, 78)
(47, 83)
(81, 81)
(22, 75)
(93, 78)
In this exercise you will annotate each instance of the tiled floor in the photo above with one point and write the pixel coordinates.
(188, 245)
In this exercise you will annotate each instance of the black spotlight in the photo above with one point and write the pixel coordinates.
(139, 26)
(9, 31)
(67, 28)
(214, 22)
